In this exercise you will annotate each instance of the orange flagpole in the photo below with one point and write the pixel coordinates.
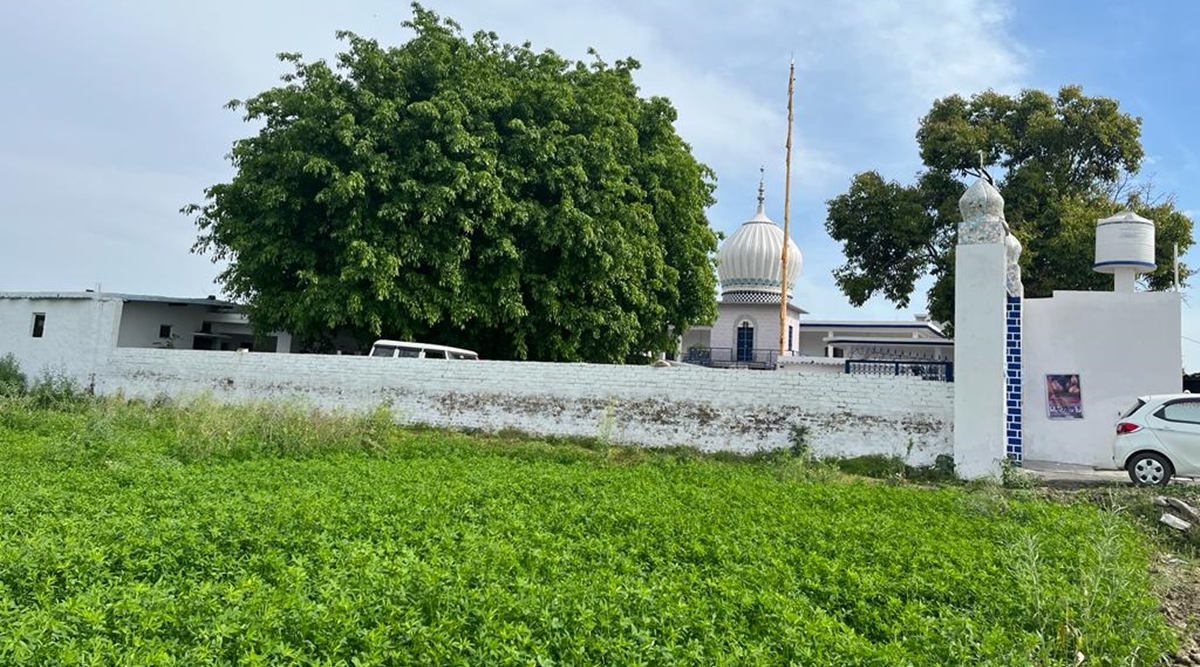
(787, 189)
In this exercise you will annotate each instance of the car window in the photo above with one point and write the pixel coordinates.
(1181, 411)
(1136, 406)
(382, 351)
(409, 352)
(435, 354)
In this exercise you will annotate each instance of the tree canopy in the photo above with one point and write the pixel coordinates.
(465, 191)
(1061, 163)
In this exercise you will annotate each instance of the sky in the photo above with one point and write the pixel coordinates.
(114, 112)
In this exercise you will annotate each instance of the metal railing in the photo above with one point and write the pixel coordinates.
(728, 357)
(939, 371)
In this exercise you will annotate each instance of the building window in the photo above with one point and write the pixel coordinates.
(790, 337)
(164, 331)
(745, 341)
(39, 324)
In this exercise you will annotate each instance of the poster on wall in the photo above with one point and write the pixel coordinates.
(1064, 400)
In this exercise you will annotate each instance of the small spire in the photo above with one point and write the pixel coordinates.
(762, 175)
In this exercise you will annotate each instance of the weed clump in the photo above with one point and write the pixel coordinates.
(55, 390)
(12, 381)
(206, 429)
(882, 466)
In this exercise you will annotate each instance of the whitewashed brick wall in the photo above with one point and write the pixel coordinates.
(732, 410)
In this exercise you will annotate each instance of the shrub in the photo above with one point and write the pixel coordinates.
(54, 389)
(798, 443)
(12, 380)
(1013, 477)
(881, 466)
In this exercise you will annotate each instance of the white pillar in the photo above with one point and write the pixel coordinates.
(1124, 280)
(980, 334)
(283, 342)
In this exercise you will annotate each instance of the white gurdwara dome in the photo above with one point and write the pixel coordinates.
(748, 264)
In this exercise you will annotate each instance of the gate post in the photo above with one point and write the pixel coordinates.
(981, 334)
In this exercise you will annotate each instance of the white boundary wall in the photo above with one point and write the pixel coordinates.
(713, 410)
(1122, 345)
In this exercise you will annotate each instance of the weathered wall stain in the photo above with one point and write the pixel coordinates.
(712, 410)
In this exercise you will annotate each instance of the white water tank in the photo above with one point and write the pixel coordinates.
(1124, 248)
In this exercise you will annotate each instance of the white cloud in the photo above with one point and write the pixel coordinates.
(118, 94)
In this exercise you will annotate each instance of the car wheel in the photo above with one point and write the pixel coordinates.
(1148, 468)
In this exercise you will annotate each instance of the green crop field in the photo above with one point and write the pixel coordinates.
(136, 534)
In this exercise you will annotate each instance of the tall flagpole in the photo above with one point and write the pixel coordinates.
(787, 190)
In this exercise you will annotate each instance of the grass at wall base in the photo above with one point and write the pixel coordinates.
(162, 534)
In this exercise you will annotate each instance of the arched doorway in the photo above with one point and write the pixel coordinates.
(745, 341)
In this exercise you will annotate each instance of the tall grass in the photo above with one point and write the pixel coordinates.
(206, 429)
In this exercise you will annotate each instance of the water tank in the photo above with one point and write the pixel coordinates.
(1124, 248)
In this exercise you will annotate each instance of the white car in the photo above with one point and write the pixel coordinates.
(1159, 437)
(409, 349)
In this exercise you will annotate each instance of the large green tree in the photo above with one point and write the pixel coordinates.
(465, 191)
(1061, 162)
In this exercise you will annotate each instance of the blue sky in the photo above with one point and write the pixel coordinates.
(114, 115)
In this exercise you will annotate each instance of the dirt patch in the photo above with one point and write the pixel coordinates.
(1180, 595)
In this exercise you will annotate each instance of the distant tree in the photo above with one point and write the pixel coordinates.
(468, 192)
(1061, 163)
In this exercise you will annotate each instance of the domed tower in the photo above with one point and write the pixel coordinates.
(748, 264)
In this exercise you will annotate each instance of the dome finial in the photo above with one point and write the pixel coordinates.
(762, 175)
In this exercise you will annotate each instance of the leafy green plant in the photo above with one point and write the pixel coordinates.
(1013, 477)
(54, 389)
(798, 444)
(295, 536)
(943, 467)
(879, 466)
(882, 466)
(12, 380)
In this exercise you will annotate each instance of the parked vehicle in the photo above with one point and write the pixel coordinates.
(1158, 438)
(401, 348)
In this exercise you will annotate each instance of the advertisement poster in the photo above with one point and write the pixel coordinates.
(1064, 400)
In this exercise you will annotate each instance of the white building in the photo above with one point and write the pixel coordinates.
(746, 331)
(71, 330)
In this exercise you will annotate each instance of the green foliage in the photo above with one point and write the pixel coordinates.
(1013, 477)
(1063, 162)
(466, 191)
(882, 466)
(12, 380)
(879, 466)
(434, 548)
(214, 431)
(944, 468)
(798, 444)
(56, 390)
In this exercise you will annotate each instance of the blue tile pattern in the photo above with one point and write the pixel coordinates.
(1012, 388)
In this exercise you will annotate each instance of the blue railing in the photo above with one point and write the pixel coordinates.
(728, 357)
(940, 371)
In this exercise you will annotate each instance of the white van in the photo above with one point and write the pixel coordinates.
(400, 348)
